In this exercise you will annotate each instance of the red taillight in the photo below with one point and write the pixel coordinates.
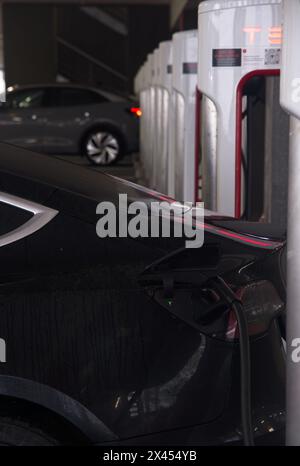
(136, 111)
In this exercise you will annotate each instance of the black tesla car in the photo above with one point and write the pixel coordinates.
(132, 341)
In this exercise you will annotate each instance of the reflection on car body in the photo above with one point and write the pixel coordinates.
(96, 341)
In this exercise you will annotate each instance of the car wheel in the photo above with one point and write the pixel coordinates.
(14, 432)
(103, 147)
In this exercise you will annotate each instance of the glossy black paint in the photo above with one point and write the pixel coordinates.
(79, 318)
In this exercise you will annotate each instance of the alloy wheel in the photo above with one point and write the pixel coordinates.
(102, 148)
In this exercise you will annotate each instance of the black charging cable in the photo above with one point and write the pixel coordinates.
(245, 360)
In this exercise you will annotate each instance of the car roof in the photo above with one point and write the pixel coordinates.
(110, 95)
(64, 175)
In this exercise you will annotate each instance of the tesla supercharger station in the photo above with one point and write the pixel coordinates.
(145, 96)
(290, 101)
(164, 92)
(155, 123)
(182, 125)
(141, 91)
(148, 120)
(239, 44)
(151, 119)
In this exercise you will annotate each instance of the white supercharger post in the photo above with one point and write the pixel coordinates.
(144, 106)
(149, 120)
(290, 101)
(182, 149)
(142, 93)
(156, 116)
(164, 85)
(238, 40)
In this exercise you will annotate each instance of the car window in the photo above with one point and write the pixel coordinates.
(29, 98)
(12, 217)
(69, 97)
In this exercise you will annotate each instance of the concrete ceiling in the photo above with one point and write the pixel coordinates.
(176, 6)
(97, 2)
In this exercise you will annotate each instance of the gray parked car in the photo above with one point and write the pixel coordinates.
(70, 119)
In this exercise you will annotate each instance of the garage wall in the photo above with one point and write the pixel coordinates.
(29, 44)
(96, 45)
(89, 50)
(148, 26)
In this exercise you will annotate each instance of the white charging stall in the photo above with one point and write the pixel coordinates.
(290, 101)
(148, 119)
(155, 123)
(141, 90)
(164, 92)
(181, 168)
(238, 41)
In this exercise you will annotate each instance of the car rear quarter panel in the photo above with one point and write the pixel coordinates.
(115, 115)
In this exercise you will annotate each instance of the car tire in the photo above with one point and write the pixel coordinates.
(103, 147)
(15, 432)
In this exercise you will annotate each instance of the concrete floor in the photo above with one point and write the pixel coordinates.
(124, 169)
